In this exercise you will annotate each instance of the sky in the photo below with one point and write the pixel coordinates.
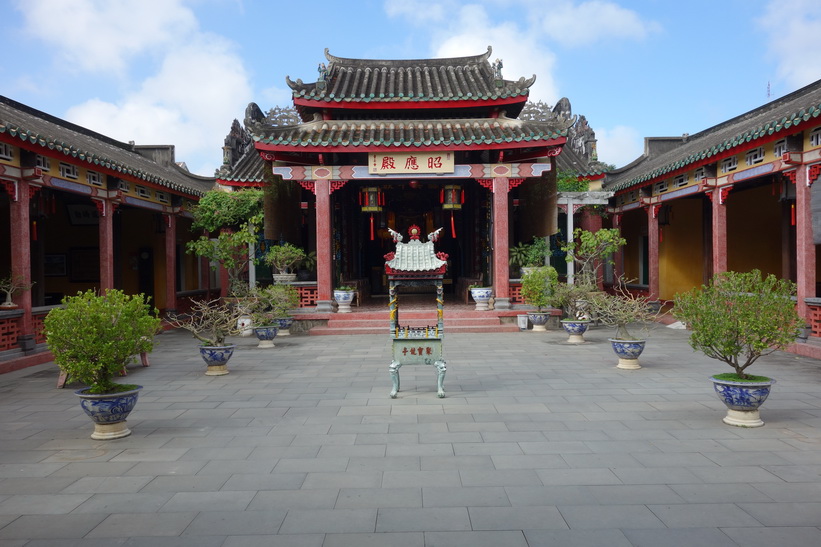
(180, 71)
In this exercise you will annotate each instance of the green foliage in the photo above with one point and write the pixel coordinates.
(93, 336)
(309, 263)
(538, 286)
(272, 302)
(345, 288)
(11, 284)
(569, 297)
(591, 250)
(229, 249)
(218, 209)
(740, 317)
(733, 377)
(530, 255)
(284, 258)
(568, 181)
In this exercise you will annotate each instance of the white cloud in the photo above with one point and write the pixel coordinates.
(792, 28)
(190, 103)
(587, 23)
(618, 145)
(101, 36)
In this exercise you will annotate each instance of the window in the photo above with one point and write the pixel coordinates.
(162, 197)
(42, 162)
(680, 181)
(780, 148)
(6, 151)
(94, 178)
(754, 156)
(68, 171)
(633, 196)
(699, 175)
(815, 137)
(124, 187)
(729, 164)
(142, 191)
(660, 187)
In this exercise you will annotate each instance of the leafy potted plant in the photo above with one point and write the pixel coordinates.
(537, 288)
(481, 295)
(307, 268)
(93, 337)
(284, 258)
(530, 255)
(620, 309)
(344, 296)
(570, 298)
(211, 322)
(738, 318)
(12, 285)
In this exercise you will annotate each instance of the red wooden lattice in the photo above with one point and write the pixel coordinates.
(39, 328)
(307, 296)
(516, 293)
(815, 320)
(9, 331)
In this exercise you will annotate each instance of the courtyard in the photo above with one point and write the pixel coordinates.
(537, 443)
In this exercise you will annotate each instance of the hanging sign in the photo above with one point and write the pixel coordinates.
(386, 163)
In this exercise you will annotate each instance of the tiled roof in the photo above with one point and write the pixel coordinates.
(775, 117)
(364, 80)
(412, 133)
(83, 145)
(415, 256)
(249, 169)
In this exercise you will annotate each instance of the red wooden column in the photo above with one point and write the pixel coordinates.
(718, 198)
(20, 237)
(106, 211)
(501, 238)
(324, 257)
(804, 242)
(653, 251)
(170, 263)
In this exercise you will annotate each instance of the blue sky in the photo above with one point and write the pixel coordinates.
(179, 71)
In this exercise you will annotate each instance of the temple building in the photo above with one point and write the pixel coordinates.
(387, 144)
(736, 196)
(81, 211)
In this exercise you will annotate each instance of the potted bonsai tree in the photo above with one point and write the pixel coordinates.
(621, 309)
(589, 251)
(93, 337)
(570, 298)
(211, 322)
(284, 258)
(271, 305)
(537, 288)
(11, 285)
(737, 319)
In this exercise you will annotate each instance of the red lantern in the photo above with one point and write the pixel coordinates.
(371, 201)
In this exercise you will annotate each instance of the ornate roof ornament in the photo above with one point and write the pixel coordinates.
(414, 257)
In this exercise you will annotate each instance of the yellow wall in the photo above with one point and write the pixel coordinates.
(681, 248)
(754, 230)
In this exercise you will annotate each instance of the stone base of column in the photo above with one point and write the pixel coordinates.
(324, 306)
(502, 304)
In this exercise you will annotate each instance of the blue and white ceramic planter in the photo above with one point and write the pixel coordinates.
(266, 335)
(481, 295)
(628, 352)
(575, 328)
(742, 400)
(108, 411)
(344, 299)
(216, 357)
(539, 320)
(285, 325)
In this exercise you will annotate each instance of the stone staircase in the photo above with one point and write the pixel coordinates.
(377, 322)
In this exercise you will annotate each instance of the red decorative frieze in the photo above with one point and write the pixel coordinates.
(655, 210)
(104, 207)
(487, 183)
(308, 185)
(812, 173)
(554, 152)
(337, 184)
(267, 156)
(790, 175)
(513, 183)
(723, 193)
(11, 188)
(33, 190)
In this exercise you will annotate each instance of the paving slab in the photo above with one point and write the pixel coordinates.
(537, 443)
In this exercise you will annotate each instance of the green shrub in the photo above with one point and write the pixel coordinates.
(93, 336)
(537, 286)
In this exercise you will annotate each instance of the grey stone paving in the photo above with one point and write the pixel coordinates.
(537, 443)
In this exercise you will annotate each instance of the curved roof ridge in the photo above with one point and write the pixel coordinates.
(467, 60)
